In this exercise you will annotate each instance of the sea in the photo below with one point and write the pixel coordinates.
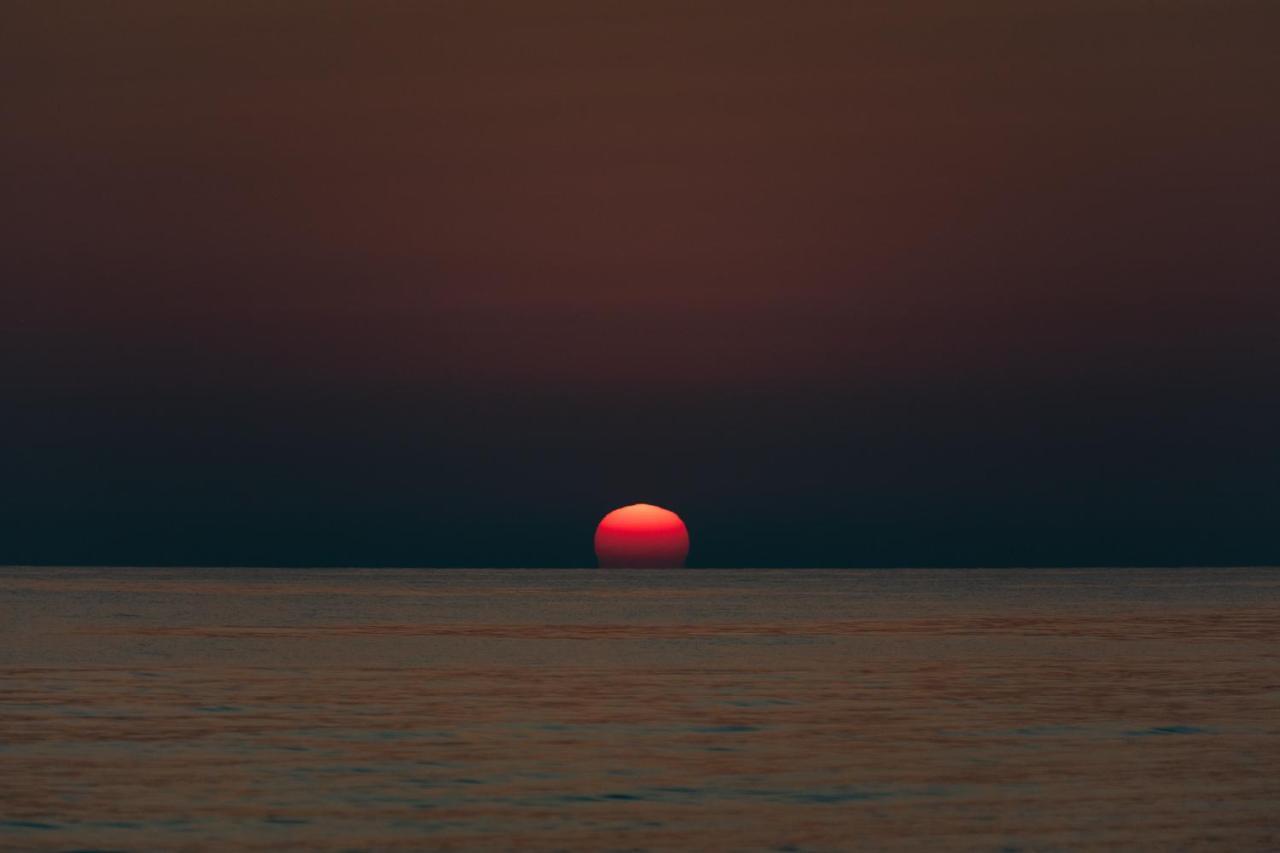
(193, 709)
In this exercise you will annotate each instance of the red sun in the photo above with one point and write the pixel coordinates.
(642, 536)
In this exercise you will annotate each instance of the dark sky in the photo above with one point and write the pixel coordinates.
(875, 283)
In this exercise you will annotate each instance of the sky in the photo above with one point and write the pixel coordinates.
(876, 283)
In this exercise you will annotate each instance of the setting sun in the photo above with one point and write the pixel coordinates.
(642, 536)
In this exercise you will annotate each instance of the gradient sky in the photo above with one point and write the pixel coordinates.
(890, 283)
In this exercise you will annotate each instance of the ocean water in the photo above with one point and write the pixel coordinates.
(214, 709)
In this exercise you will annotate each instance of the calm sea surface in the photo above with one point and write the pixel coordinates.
(208, 709)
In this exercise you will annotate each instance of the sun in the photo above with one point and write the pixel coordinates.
(642, 536)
